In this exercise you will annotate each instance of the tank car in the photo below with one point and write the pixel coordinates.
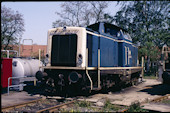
(84, 59)
(24, 67)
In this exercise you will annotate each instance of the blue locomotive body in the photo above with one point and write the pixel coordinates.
(115, 44)
(92, 58)
(108, 51)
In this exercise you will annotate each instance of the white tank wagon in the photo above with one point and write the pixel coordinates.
(24, 67)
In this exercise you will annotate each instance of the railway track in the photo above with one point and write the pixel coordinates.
(57, 106)
(19, 105)
(154, 100)
(160, 98)
(160, 104)
(31, 105)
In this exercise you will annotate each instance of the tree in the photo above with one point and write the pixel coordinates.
(147, 21)
(148, 24)
(12, 27)
(80, 13)
(151, 53)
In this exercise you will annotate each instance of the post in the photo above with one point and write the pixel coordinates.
(163, 65)
(39, 56)
(7, 53)
(19, 46)
(35, 82)
(163, 60)
(98, 68)
(8, 84)
(142, 67)
(17, 53)
(137, 62)
(86, 57)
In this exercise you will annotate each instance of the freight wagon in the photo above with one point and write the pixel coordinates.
(84, 59)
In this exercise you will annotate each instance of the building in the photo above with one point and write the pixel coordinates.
(32, 50)
(29, 50)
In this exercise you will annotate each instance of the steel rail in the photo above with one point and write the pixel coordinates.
(54, 108)
(124, 110)
(160, 98)
(20, 105)
(153, 100)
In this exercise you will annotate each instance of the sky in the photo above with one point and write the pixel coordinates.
(39, 16)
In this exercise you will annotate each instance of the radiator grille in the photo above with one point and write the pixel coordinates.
(64, 49)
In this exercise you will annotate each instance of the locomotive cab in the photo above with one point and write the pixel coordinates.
(66, 46)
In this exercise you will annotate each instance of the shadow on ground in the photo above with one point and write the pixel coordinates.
(161, 89)
(33, 90)
(4, 90)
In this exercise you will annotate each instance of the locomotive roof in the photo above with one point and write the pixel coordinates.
(95, 26)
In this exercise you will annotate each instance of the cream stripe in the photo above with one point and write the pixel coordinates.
(110, 38)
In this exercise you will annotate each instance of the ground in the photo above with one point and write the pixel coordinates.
(144, 92)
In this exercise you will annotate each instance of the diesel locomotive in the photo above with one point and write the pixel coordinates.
(80, 60)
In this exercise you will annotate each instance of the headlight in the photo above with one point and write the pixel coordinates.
(79, 62)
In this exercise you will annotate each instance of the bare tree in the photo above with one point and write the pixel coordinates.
(12, 26)
(80, 13)
(98, 9)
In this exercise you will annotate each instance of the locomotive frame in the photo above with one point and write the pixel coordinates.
(96, 76)
(101, 70)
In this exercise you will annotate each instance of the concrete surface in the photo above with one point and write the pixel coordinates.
(144, 92)
(16, 98)
(157, 107)
(148, 90)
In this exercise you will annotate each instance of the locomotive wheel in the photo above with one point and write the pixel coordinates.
(49, 88)
(105, 90)
(79, 88)
(73, 90)
(134, 82)
(118, 85)
(85, 89)
(52, 88)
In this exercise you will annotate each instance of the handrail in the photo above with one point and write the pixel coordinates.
(9, 51)
(99, 68)
(14, 85)
(31, 46)
(91, 82)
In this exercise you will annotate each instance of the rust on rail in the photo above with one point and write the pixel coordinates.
(160, 98)
(20, 105)
(54, 108)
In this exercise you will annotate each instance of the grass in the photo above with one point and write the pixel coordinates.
(72, 110)
(149, 77)
(79, 105)
(135, 107)
(110, 107)
(152, 74)
(83, 104)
